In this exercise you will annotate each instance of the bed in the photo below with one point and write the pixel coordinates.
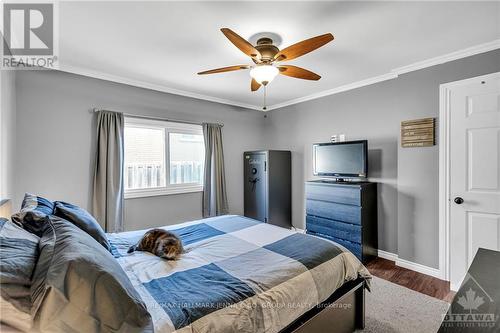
(238, 274)
(59, 272)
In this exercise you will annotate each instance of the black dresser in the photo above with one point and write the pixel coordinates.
(345, 213)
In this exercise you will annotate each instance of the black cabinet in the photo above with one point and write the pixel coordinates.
(345, 213)
(267, 186)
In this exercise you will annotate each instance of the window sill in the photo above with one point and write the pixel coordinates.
(144, 193)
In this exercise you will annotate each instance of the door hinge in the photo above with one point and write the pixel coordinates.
(265, 166)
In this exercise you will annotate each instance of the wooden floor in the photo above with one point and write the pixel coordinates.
(425, 284)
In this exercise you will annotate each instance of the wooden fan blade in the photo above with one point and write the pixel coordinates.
(254, 85)
(301, 48)
(224, 69)
(241, 43)
(297, 72)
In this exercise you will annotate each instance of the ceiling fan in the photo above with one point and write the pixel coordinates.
(265, 55)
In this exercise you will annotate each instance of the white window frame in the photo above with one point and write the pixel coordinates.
(168, 127)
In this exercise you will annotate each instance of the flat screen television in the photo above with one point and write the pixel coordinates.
(348, 159)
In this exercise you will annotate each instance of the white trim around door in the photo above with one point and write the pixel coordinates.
(444, 172)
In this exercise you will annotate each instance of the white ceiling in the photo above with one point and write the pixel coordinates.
(165, 43)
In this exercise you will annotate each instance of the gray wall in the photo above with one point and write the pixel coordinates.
(7, 132)
(408, 177)
(54, 155)
(55, 141)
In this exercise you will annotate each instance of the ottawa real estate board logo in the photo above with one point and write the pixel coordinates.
(29, 35)
(472, 310)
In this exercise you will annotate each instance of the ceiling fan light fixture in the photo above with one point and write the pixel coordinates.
(264, 74)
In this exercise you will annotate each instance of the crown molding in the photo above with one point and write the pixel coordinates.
(470, 51)
(350, 86)
(151, 86)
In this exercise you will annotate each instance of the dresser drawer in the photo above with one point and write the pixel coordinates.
(349, 195)
(355, 248)
(334, 211)
(350, 232)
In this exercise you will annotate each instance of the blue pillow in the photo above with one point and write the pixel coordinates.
(83, 220)
(31, 220)
(76, 277)
(40, 204)
(18, 257)
(34, 210)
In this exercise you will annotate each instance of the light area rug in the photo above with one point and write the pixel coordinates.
(390, 308)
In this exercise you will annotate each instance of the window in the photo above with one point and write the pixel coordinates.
(187, 153)
(162, 158)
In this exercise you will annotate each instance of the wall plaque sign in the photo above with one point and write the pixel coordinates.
(418, 132)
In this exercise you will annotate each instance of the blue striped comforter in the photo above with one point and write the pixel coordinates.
(237, 274)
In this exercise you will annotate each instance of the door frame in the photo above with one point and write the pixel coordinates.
(444, 171)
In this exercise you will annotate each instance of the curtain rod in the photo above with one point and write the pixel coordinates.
(154, 118)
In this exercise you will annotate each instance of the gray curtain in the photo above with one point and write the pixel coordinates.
(107, 202)
(214, 185)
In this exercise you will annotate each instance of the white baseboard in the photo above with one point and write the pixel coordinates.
(387, 255)
(419, 268)
(410, 264)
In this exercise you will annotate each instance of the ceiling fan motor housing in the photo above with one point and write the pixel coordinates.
(267, 49)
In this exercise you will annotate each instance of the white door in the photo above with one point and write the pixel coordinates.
(474, 171)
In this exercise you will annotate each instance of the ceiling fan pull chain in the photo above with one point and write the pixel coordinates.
(265, 98)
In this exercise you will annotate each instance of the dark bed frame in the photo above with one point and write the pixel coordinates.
(342, 312)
